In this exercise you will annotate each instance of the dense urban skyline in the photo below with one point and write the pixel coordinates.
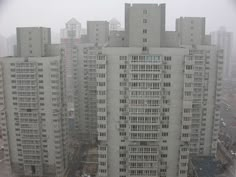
(139, 100)
(66, 9)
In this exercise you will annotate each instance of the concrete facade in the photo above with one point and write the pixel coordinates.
(31, 41)
(33, 111)
(33, 116)
(97, 32)
(157, 101)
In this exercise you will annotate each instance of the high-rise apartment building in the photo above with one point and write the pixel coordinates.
(157, 97)
(224, 40)
(89, 57)
(33, 111)
(70, 38)
(96, 38)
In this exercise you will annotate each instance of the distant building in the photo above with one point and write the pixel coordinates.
(224, 40)
(191, 30)
(72, 30)
(233, 71)
(114, 25)
(3, 46)
(11, 43)
(70, 39)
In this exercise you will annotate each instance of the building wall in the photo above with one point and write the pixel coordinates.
(97, 32)
(207, 86)
(36, 130)
(116, 132)
(190, 85)
(31, 41)
(191, 30)
(144, 24)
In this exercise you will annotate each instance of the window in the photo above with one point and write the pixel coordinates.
(145, 11)
(188, 84)
(123, 101)
(166, 109)
(122, 125)
(167, 84)
(167, 67)
(122, 170)
(122, 155)
(123, 75)
(122, 148)
(144, 39)
(167, 58)
(164, 133)
(186, 127)
(164, 148)
(144, 20)
(189, 67)
(165, 126)
(188, 76)
(144, 31)
(164, 155)
(187, 93)
(167, 75)
(144, 48)
(122, 66)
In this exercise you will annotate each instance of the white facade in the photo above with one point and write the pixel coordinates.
(224, 40)
(32, 116)
(31, 41)
(157, 103)
(145, 114)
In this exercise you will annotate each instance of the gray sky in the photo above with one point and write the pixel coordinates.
(54, 13)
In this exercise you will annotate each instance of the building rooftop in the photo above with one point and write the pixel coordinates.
(72, 21)
(206, 166)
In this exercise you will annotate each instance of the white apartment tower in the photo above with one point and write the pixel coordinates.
(33, 113)
(158, 97)
(224, 40)
(70, 39)
(97, 35)
(69, 46)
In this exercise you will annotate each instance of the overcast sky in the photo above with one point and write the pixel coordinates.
(54, 13)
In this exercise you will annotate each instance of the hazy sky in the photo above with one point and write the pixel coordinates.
(54, 13)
